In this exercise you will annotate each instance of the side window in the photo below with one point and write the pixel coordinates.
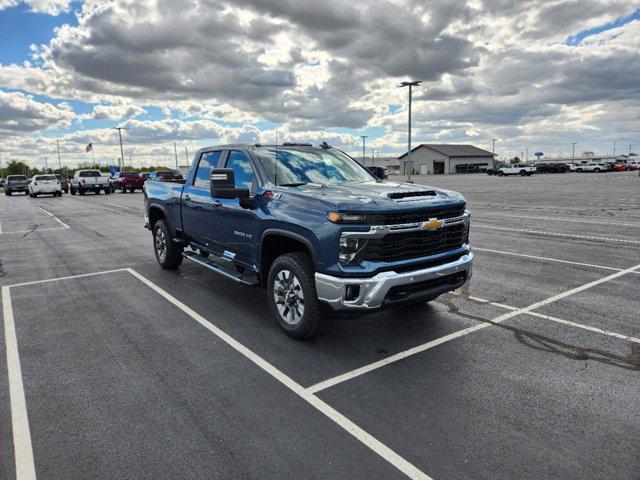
(208, 161)
(242, 170)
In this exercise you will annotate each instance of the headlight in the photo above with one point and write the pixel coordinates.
(350, 249)
(342, 217)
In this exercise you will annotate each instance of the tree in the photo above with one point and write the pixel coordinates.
(515, 159)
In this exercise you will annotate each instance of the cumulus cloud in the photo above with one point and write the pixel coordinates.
(507, 69)
(21, 113)
(52, 7)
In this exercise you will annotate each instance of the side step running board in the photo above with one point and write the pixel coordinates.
(230, 273)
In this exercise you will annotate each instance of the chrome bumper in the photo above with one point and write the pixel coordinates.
(374, 290)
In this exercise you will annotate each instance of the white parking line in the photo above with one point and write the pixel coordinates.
(121, 206)
(426, 346)
(35, 230)
(559, 320)
(57, 279)
(556, 234)
(546, 259)
(374, 444)
(598, 222)
(56, 218)
(23, 452)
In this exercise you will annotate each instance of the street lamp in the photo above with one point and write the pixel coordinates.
(59, 162)
(46, 165)
(410, 84)
(573, 150)
(121, 149)
(364, 158)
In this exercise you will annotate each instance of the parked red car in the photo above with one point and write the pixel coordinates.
(127, 181)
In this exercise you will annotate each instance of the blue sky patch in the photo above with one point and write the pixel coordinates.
(577, 39)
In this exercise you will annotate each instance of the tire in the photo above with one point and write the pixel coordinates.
(596, 170)
(291, 292)
(501, 174)
(81, 191)
(123, 189)
(8, 193)
(522, 173)
(168, 253)
(35, 195)
(131, 190)
(579, 170)
(107, 191)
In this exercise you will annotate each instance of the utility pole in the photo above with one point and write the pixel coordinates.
(121, 149)
(630, 145)
(59, 162)
(46, 165)
(527, 154)
(411, 84)
(493, 149)
(131, 161)
(175, 150)
(573, 150)
(186, 154)
(364, 158)
(1, 176)
(614, 147)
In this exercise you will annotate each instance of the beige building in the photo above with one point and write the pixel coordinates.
(432, 158)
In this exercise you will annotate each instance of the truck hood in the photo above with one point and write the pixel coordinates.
(376, 196)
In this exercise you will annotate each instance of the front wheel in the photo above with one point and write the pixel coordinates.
(501, 174)
(522, 173)
(579, 170)
(168, 253)
(597, 170)
(291, 292)
(107, 191)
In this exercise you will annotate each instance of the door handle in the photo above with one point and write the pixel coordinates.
(216, 203)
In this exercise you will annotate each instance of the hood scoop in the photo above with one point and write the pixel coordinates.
(411, 196)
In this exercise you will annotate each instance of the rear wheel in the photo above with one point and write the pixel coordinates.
(291, 292)
(168, 253)
(522, 173)
(579, 170)
(123, 189)
(8, 192)
(107, 191)
(501, 173)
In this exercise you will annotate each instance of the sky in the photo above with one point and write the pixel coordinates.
(534, 75)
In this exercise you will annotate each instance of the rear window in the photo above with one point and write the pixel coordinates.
(129, 175)
(166, 174)
(90, 173)
(45, 177)
(16, 177)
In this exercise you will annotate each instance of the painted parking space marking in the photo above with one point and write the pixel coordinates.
(64, 225)
(23, 451)
(556, 234)
(596, 222)
(426, 346)
(25, 467)
(545, 259)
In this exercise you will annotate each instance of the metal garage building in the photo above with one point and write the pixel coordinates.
(433, 158)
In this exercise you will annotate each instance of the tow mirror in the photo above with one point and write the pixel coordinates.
(223, 185)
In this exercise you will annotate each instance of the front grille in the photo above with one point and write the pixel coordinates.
(406, 245)
(435, 285)
(395, 218)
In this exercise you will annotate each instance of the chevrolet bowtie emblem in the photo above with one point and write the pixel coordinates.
(432, 224)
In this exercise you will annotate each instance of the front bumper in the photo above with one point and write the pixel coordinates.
(382, 289)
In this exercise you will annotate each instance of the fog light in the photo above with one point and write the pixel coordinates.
(351, 293)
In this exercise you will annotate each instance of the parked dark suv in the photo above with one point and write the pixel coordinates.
(551, 167)
(63, 183)
(16, 183)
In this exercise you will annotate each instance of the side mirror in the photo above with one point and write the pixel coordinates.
(223, 185)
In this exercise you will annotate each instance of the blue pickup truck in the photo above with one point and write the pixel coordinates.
(313, 227)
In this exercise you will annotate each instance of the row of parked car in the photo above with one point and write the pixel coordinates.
(558, 167)
(83, 181)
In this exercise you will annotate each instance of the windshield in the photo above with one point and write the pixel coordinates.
(90, 173)
(297, 167)
(16, 177)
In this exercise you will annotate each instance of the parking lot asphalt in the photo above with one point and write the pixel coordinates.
(113, 368)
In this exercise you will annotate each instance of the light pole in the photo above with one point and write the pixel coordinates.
(614, 148)
(573, 150)
(630, 145)
(121, 149)
(493, 149)
(46, 165)
(1, 176)
(186, 154)
(59, 162)
(364, 158)
(411, 84)
(175, 150)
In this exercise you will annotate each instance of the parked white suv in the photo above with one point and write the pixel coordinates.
(44, 184)
(591, 167)
(89, 181)
(516, 169)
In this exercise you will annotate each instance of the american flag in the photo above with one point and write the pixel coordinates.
(89, 148)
